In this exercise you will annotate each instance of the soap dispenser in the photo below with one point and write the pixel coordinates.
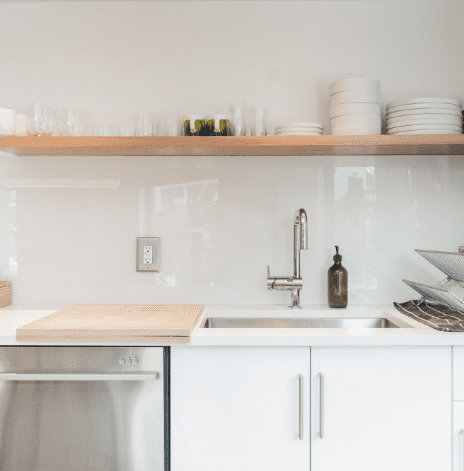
(338, 283)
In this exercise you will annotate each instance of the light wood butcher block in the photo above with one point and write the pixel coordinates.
(128, 323)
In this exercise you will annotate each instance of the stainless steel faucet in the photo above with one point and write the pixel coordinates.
(300, 242)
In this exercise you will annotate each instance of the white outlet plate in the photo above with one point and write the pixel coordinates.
(148, 253)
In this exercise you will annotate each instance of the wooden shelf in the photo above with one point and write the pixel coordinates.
(442, 144)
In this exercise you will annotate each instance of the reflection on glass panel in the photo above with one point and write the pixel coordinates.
(185, 214)
(8, 231)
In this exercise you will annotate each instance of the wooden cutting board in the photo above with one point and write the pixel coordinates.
(115, 322)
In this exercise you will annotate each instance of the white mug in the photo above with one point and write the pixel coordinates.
(7, 122)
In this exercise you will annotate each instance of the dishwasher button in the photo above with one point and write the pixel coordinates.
(136, 360)
(129, 360)
(122, 361)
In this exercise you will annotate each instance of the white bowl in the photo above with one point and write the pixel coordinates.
(422, 112)
(430, 127)
(299, 133)
(423, 106)
(351, 96)
(354, 108)
(298, 128)
(356, 130)
(424, 131)
(426, 119)
(425, 100)
(299, 125)
(357, 120)
(355, 84)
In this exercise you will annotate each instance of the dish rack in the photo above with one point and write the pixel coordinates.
(450, 291)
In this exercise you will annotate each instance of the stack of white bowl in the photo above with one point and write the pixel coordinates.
(424, 116)
(355, 107)
(299, 129)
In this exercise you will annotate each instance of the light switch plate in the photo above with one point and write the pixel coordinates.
(148, 248)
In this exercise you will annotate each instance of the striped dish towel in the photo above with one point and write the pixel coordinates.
(437, 316)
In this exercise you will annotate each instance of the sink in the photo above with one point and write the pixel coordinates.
(301, 323)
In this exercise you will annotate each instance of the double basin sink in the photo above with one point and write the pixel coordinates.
(302, 323)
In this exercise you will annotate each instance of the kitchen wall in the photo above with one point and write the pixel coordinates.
(68, 225)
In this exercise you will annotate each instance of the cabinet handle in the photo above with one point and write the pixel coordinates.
(300, 389)
(461, 448)
(321, 405)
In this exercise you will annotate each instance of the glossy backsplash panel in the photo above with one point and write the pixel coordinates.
(68, 226)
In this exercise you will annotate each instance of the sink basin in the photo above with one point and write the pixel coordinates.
(301, 323)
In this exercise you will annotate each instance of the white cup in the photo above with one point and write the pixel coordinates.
(7, 122)
(21, 125)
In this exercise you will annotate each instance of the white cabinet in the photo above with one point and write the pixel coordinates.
(458, 435)
(384, 409)
(237, 409)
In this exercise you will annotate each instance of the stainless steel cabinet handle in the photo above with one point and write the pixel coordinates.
(79, 377)
(300, 389)
(321, 405)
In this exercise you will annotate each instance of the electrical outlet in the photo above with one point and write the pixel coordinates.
(148, 253)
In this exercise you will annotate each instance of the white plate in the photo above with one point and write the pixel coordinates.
(357, 120)
(354, 108)
(426, 119)
(451, 101)
(355, 84)
(298, 128)
(305, 133)
(278, 131)
(356, 130)
(420, 113)
(423, 131)
(418, 127)
(352, 96)
(299, 125)
(424, 106)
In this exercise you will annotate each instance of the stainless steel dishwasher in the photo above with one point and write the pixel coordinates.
(84, 408)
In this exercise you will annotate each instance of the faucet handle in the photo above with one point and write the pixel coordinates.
(268, 272)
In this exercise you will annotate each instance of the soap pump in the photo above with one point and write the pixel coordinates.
(338, 283)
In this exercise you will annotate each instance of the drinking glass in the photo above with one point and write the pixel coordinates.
(126, 130)
(238, 118)
(259, 121)
(143, 125)
(70, 122)
(38, 123)
(103, 130)
(171, 126)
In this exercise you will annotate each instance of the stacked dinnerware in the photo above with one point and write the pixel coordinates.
(424, 116)
(355, 107)
(299, 129)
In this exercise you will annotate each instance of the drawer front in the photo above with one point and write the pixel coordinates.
(458, 373)
(458, 436)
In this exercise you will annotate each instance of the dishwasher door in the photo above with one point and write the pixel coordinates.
(84, 408)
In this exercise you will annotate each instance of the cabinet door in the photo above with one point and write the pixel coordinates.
(384, 409)
(237, 409)
(458, 435)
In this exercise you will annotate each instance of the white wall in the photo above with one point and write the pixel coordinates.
(223, 219)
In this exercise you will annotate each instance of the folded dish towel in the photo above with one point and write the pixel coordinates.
(437, 316)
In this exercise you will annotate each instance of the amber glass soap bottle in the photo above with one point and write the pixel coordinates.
(338, 282)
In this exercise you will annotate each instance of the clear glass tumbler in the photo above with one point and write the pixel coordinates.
(71, 124)
(259, 121)
(171, 126)
(238, 112)
(38, 123)
(143, 125)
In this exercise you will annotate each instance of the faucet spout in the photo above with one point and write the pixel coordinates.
(300, 242)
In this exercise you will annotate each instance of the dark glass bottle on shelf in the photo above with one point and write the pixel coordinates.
(338, 283)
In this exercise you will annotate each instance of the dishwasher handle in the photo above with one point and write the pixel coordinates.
(80, 376)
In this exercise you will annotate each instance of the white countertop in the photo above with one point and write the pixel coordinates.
(419, 334)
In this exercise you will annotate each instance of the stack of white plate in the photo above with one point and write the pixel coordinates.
(355, 107)
(425, 116)
(299, 129)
